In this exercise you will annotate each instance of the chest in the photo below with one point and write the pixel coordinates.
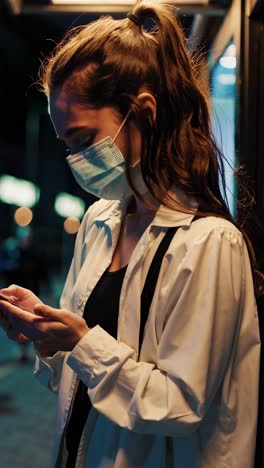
(108, 248)
(130, 234)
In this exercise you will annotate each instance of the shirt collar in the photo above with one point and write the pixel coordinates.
(168, 217)
(116, 209)
(165, 216)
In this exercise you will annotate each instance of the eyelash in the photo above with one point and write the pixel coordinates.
(89, 142)
(85, 144)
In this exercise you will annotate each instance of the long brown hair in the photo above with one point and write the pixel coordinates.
(108, 62)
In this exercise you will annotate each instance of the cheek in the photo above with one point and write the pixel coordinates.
(129, 142)
(123, 147)
(135, 145)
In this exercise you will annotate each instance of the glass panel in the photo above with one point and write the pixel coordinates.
(223, 92)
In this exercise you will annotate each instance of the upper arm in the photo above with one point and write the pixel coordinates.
(204, 312)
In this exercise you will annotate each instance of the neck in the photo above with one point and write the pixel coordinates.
(140, 209)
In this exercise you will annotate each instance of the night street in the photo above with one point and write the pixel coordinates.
(27, 412)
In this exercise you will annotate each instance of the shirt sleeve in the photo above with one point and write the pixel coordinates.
(48, 370)
(201, 328)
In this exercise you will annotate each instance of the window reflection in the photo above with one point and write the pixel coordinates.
(223, 92)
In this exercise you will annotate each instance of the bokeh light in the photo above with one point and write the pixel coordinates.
(71, 225)
(68, 206)
(23, 216)
(18, 192)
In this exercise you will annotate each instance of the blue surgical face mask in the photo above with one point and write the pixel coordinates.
(100, 169)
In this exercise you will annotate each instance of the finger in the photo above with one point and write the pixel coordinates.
(15, 291)
(13, 312)
(12, 289)
(47, 327)
(46, 311)
(23, 339)
(18, 337)
(10, 298)
(13, 335)
(31, 333)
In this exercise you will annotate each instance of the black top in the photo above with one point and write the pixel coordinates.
(101, 309)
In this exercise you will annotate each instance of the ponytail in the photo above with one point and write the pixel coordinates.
(109, 62)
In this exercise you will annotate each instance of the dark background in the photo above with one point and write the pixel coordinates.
(28, 147)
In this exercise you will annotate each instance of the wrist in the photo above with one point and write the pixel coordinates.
(81, 336)
(84, 331)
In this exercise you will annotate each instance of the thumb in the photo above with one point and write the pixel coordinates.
(46, 311)
(12, 289)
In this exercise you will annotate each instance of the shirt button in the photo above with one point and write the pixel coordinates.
(80, 302)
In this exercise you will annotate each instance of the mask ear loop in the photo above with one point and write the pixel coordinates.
(122, 125)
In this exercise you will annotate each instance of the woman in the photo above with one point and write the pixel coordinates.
(131, 110)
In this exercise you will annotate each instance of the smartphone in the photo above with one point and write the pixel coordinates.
(4, 298)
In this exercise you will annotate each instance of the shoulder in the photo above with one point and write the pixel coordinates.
(211, 225)
(99, 210)
(215, 222)
(208, 245)
(210, 232)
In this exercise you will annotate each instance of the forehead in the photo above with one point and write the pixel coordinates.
(66, 112)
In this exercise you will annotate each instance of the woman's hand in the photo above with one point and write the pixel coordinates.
(11, 333)
(62, 329)
(22, 297)
(50, 329)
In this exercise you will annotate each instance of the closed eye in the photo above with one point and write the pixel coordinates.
(88, 142)
(77, 146)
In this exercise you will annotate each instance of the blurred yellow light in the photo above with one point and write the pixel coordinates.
(71, 225)
(23, 216)
(121, 3)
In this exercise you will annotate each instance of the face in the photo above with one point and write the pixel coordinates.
(80, 125)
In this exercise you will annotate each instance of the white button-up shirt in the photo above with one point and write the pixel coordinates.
(191, 399)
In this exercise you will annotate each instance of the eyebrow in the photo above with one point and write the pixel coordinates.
(72, 130)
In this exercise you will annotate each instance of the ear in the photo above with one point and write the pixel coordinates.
(149, 102)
